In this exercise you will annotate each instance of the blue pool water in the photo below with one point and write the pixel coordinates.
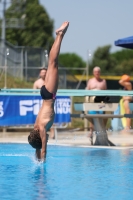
(70, 173)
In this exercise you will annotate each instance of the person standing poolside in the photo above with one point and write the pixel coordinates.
(126, 83)
(37, 138)
(95, 83)
(40, 82)
(37, 85)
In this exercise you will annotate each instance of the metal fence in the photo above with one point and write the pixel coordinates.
(19, 59)
(25, 63)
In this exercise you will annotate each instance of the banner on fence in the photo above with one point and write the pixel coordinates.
(23, 110)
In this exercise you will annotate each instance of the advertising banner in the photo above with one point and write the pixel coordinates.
(23, 110)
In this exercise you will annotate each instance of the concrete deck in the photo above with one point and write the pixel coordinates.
(77, 138)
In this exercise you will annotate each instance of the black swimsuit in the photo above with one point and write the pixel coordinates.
(46, 95)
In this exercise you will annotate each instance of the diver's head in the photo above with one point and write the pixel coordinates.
(34, 139)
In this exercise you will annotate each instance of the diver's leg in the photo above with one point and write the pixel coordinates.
(51, 80)
(127, 111)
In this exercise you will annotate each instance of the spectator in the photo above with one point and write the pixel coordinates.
(125, 82)
(95, 83)
(40, 82)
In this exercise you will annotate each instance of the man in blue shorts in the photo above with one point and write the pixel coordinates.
(95, 83)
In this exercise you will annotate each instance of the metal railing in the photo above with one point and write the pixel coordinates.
(26, 62)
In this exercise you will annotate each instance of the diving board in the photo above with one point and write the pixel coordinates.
(97, 119)
(95, 106)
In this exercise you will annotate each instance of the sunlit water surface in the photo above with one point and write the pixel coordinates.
(69, 173)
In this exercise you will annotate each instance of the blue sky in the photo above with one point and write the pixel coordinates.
(93, 23)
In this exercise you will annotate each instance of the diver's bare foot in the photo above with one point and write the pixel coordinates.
(63, 28)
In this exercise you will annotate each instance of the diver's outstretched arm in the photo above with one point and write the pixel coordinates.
(44, 143)
(38, 154)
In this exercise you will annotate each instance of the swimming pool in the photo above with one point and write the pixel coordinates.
(69, 173)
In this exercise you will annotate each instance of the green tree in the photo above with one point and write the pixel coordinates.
(103, 59)
(38, 27)
(124, 54)
(72, 61)
(124, 60)
(124, 67)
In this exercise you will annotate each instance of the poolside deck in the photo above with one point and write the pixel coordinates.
(76, 138)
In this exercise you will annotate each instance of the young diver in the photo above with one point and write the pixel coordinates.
(38, 137)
